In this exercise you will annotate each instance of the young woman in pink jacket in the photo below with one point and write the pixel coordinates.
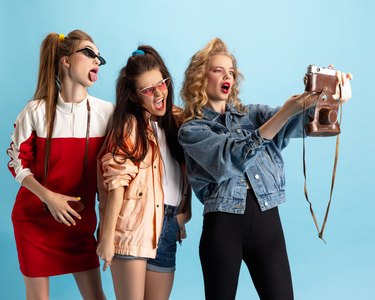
(144, 195)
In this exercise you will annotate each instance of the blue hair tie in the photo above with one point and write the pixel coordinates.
(138, 52)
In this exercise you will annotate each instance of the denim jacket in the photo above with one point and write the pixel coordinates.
(225, 152)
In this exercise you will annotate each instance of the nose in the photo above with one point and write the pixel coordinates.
(97, 61)
(226, 75)
(157, 91)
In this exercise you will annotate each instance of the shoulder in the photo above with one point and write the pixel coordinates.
(33, 109)
(130, 134)
(101, 107)
(194, 126)
(35, 105)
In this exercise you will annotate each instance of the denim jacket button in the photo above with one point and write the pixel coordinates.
(256, 176)
(265, 203)
(238, 130)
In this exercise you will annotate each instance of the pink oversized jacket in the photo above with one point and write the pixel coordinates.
(139, 223)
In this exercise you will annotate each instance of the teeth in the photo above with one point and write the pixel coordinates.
(159, 103)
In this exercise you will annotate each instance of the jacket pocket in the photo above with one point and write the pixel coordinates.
(270, 172)
(131, 213)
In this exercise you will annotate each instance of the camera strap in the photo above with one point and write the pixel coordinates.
(321, 230)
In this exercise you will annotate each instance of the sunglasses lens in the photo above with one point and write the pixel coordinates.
(161, 86)
(89, 53)
(102, 61)
(148, 91)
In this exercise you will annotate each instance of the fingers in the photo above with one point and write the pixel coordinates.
(105, 252)
(106, 264)
(65, 216)
(343, 78)
(72, 211)
(59, 217)
(107, 261)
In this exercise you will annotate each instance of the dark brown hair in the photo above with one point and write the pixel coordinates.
(128, 108)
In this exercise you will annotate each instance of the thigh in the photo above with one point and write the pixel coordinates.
(90, 284)
(220, 252)
(37, 288)
(266, 257)
(129, 276)
(158, 285)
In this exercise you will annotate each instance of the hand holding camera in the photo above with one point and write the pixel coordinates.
(332, 87)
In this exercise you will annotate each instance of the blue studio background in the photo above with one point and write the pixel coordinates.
(273, 41)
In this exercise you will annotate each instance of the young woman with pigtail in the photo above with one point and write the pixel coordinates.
(143, 192)
(53, 151)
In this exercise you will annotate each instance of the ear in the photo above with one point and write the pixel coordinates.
(65, 62)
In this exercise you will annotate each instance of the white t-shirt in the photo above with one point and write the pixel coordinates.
(172, 177)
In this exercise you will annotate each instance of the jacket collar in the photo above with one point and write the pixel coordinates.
(212, 115)
(69, 107)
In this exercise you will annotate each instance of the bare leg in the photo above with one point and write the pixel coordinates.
(90, 284)
(37, 288)
(158, 285)
(128, 277)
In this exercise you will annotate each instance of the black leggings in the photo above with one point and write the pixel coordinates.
(255, 237)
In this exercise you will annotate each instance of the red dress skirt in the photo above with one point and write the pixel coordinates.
(46, 247)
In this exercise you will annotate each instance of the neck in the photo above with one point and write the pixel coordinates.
(218, 106)
(72, 92)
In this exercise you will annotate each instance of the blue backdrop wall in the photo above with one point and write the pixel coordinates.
(273, 41)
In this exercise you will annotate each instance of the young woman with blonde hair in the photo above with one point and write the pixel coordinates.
(240, 180)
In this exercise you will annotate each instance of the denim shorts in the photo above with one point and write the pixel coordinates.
(165, 260)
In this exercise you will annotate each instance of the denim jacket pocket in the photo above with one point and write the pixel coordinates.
(270, 172)
(131, 210)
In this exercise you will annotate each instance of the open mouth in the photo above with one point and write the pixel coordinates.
(225, 87)
(159, 103)
(93, 74)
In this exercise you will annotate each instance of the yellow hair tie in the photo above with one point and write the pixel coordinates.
(61, 37)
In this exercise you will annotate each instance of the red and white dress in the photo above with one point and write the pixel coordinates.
(46, 247)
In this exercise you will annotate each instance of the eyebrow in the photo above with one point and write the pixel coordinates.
(220, 67)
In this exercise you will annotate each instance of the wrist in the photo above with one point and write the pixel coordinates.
(45, 194)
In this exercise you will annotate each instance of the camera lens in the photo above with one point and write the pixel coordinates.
(327, 116)
(318, 69)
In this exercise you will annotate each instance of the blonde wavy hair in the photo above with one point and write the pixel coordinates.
(193, 91)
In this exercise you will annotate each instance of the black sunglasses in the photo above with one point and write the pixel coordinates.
(90, 53)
